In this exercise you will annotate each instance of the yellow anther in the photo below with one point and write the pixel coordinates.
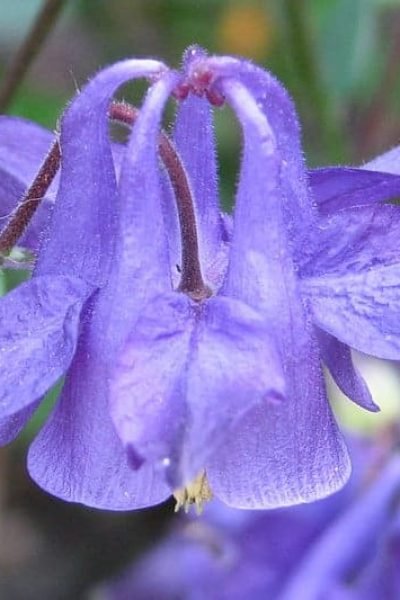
(196, 492)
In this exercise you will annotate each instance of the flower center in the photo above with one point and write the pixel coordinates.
(199, 78)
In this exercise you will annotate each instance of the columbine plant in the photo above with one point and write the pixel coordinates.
(191, 343)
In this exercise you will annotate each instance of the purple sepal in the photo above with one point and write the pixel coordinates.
(38, 336)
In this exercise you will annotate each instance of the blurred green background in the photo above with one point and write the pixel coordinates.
(339, 59)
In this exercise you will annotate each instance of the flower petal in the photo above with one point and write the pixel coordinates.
(186, 375)
(194, 139)
(87, 205)
(92, 465)
(354, 240)
(38, 337)
(11, 426)
(23, 147)
(141, 266)
(337, 357)
(147, 394)
(78, 457)
(171, 224)
(275, 104)
(339, 188)
(292, 452)
(389, 162)
(360, 309)
(289, 454)
(234, 367)
(85, 215)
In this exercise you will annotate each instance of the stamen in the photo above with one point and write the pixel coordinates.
(197, 492)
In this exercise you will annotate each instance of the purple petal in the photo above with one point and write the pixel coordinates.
(292, 452)
(186, 570)
(141, 268)
(23, 147)
(274, 103)
(389, 162)
(147, 395)
(256, 258)
(337, 357)
(272, 188)
(38, 337)
(11, 191)
(355, 240)
(288, 454)
(234, 367)
(339, 188)
(92, 465)
(194, 138)
(11, 426)
(78, 457)
(349, 539)
(186, 375)
(171, 225)
(380, 577)
(140, 178)
(87, 205)
(360, 309)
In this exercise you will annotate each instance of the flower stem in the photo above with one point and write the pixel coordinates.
(24, 212)
(28, 50)
(192, 282)
(191, 278)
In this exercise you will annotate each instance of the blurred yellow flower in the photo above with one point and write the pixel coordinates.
(247, 30)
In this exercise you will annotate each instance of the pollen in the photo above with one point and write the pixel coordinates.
(197, 492)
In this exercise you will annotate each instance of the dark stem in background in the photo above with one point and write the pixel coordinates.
(312, 87)
(28, 50)
(191, 278)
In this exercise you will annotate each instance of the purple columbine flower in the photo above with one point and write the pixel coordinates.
(191, 343)
(343, 547)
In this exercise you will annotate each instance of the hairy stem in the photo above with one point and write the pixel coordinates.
(24, 212)
(191, 278)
